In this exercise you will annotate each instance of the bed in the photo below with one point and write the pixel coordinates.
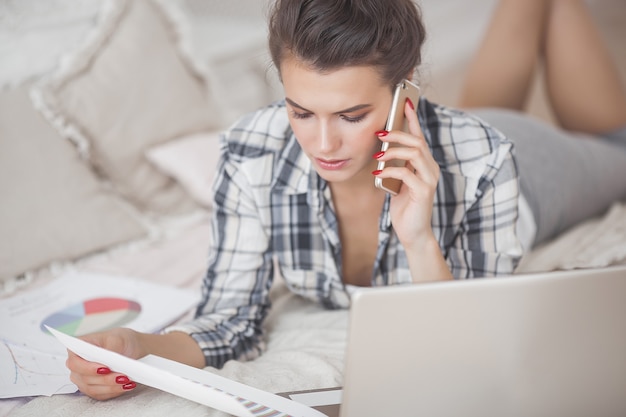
(92, 190)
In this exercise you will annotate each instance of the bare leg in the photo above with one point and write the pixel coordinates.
(583, 84)
(502, 71)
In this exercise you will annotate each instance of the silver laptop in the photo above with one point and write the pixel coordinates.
(549, 344)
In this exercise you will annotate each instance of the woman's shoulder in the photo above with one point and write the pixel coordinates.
(258, 133)
(262, 148)
(460, 139)
(451, 126)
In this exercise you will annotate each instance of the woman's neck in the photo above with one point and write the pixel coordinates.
(357, 192)
(362, 183)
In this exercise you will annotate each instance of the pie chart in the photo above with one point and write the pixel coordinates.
(93, 315)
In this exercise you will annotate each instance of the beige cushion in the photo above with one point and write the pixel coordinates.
(53, 207)
(192, 161)
(130, 89)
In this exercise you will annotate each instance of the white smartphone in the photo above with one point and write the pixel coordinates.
(397, 121)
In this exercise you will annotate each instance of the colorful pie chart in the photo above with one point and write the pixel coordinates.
(93, 315)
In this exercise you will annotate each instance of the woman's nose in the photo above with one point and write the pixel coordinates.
(328, 139)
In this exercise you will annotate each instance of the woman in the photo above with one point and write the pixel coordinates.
(295, 184)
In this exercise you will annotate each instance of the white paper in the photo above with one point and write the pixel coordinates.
(62, 301)
(26, 372)
(31, 360)
(318, 398)
(191, 383)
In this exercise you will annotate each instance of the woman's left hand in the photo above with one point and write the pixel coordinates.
(411, 209)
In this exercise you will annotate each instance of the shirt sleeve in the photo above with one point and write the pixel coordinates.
(235, 292)
(486, 243)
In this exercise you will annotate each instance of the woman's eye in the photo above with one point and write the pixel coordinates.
(354, 119)
(297, 115)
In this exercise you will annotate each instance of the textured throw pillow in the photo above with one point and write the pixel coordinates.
(131, 88)
(192, 161)
(53, 208)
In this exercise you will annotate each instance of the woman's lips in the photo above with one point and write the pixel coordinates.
(331, 164)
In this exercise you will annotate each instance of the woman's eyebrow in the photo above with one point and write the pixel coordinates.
(348, 110)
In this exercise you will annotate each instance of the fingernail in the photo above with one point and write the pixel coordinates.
(103, 371)
(381, 133)
(122, 379)
(129, 386)
(410, 103)
(377, 171)
(378, 155)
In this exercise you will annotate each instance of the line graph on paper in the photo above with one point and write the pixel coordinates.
(26, 371)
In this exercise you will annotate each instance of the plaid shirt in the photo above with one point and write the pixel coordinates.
(271, 209)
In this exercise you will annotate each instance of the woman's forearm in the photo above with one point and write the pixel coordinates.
(177, 346)
(426, 262)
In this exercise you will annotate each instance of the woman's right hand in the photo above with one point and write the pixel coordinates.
(96, 380)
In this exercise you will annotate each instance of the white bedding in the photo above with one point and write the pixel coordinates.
(305, 343)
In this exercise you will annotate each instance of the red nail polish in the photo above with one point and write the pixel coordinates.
(378, 155)
(129, 386)
(381, 133)
(377, 171)
(410, 103)
(103, 371)
(122, 379)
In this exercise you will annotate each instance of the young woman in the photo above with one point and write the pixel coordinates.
(295, 185)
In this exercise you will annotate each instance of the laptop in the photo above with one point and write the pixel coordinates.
(546, 344)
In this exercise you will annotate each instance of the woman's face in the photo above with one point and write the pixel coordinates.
(334, 117)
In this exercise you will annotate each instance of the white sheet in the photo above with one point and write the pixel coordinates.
(305, 342)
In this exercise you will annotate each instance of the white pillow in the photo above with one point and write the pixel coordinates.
(131, 88)
(192, 161)
(53, 207)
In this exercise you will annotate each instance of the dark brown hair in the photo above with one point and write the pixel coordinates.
(330, 34)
